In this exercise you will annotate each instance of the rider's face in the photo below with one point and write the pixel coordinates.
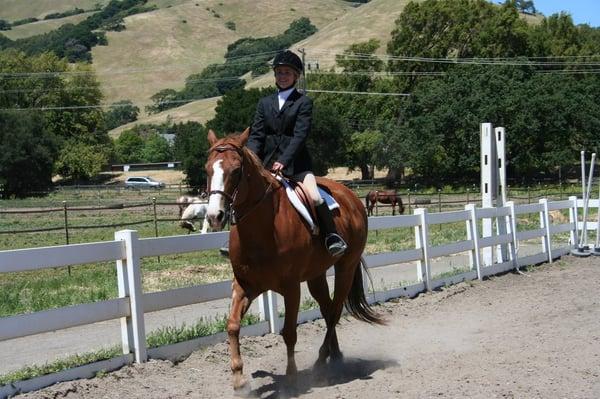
(285, 77)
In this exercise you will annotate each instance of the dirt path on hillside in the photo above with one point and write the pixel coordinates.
(512, 336)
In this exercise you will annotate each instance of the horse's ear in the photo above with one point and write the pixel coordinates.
(244, 136)
(212, 137)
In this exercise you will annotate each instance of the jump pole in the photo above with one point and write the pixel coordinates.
(582, 250)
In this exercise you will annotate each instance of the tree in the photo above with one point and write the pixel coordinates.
(327, 139)
(191, 148)
(235, 110)
(27, 151)
(526, 6)
(163, 100)
(359, 113)
(548, 118)
(363, 151)
(45, 111)
(120, 113)
(454, 29)
(81, 162)
(129, 146)
(156, 149)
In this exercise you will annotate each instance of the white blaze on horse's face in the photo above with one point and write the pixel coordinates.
(216, 201)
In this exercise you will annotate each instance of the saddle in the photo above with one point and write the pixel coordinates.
(301, 201)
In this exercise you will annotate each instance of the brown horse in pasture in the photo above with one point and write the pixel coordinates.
(384, 197)
(271, 248)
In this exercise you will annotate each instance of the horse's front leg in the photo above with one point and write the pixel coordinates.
(204, 226)
(292, 303)
(240, 302)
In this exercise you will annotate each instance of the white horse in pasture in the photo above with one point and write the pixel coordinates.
(191, 208)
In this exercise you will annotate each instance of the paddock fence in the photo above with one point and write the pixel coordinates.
(59, 212)
(488, 255)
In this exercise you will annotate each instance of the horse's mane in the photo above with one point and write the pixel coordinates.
(233, 139)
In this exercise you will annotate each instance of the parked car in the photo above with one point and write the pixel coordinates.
(143, 182)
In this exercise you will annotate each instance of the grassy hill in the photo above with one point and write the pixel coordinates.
(12, 10)
(198, 111)
(159, 49)
(44, 26)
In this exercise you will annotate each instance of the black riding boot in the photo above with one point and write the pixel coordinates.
(333, 242)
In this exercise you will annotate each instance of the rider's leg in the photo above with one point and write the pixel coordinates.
(333, 242)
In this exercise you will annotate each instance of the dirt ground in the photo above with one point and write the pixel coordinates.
(512, 336)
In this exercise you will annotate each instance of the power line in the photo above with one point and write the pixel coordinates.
(244, 59)
(359, 93)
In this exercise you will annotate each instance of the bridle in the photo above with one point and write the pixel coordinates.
(232, 197)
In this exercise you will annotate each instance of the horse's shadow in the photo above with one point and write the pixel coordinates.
(332, 373)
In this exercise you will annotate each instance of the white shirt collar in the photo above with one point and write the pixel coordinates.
(283, 96)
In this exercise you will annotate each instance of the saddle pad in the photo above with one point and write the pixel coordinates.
(301, 208)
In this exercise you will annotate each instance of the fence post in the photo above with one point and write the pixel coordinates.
(66, 223)
(155, 220)
(512, 226)
(473, 235)
(422, 242)
(267, 310)
(133, 331)
(545, 223)
(574, 221)
(66, 230)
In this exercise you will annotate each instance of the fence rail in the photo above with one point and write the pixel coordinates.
(127, 251)
(412, 200)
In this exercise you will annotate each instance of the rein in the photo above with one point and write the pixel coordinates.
(232, 197)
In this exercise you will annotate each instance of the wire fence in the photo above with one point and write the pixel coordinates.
(434, 201)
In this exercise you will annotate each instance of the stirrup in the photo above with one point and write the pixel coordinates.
(335, 244)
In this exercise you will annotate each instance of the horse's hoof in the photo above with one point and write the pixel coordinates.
(320, 364)
(241, 388)
(336, 357)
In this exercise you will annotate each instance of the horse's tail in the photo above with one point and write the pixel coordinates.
(356, 303)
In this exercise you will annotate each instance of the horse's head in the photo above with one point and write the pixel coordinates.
(224, 174)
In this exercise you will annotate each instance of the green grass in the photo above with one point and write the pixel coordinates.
(160, 337)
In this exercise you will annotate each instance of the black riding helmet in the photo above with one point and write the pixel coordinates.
(287, 58)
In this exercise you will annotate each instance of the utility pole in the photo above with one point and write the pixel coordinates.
(303, 83)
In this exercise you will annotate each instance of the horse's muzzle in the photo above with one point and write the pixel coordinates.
(216, 221)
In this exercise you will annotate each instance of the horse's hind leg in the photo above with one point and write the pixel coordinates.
(291, 298)
(344, 277)
(319, 289)
(240, 302)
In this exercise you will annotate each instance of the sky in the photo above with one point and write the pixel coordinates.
(582, 11)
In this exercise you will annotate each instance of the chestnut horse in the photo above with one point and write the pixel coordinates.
(271, 248)
(384, 197)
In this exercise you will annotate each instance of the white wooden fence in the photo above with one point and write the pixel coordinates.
(127, 250)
